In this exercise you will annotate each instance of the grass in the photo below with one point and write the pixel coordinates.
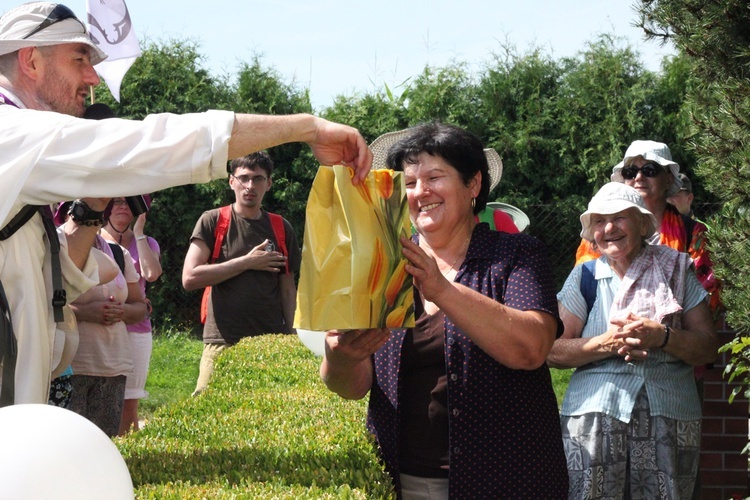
(173, 371)
(266, 427)
(560, 380)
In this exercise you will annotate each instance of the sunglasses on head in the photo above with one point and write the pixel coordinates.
(58, 14)
(648, 170)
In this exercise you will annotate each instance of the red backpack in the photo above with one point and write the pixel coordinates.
(222, 226)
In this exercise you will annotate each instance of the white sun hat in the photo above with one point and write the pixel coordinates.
(612, 198)
(41, 24)
(657, 152)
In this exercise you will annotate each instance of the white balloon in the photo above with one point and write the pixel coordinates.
(313, 340)
(48, 452)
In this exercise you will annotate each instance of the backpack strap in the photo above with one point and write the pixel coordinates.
(118, 254)
(222, 226)
(279, 231)
(8, 352)
(17, 222)
(588, 284)
(59, 297)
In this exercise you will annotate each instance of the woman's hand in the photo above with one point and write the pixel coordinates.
(424, 269)
(347, 366)
(352, 347)
(104, 312)
(140, 223)
(639, 335)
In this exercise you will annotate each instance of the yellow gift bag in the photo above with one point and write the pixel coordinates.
(352, 273)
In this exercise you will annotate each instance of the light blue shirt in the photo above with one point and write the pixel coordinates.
(611, 385)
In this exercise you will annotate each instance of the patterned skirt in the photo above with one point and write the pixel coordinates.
(649, 457)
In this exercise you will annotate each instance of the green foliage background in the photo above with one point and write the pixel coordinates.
(560, 125)
(715, 38)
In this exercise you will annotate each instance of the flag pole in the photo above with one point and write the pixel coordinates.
(92, 94)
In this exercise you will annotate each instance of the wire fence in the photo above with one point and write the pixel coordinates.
(557, 225)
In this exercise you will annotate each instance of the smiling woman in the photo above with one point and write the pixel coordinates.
(618, 224)
(632, 347)
(450, 397)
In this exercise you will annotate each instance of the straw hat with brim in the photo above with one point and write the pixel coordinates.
(520, 219)
(40, 24)
(612, 198)
(382, 145)
(657, 152)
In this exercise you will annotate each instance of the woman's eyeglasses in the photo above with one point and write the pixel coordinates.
(648, 170)
(58, 14)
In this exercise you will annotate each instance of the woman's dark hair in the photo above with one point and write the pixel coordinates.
(459, 148)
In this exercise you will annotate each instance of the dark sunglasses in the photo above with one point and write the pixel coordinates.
(59, 13)
(648, 170)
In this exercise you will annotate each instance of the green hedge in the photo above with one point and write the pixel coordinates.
(265, 428)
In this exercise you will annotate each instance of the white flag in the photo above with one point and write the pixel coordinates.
(111, 29)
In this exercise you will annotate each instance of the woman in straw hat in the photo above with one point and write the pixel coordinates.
(462, 405)
(636, 322)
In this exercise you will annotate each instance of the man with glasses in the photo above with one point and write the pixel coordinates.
(47, 154)
(252, 282)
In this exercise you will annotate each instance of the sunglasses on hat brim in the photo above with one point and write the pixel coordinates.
(59, 13)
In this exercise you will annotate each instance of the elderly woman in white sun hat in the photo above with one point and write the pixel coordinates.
(636, 321)
(648, 168)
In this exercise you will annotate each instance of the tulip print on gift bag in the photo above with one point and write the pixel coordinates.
(353, 274)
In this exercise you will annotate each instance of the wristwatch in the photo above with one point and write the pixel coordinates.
(82, 215)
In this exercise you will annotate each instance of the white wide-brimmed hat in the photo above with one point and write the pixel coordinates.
(382, 145)
(40, 24)
(612, 198)
(650, 151)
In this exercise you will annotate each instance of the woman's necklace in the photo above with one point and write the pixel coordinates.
(462, 254)
(120, 233)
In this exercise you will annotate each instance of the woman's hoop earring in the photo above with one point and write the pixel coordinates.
(473, 203)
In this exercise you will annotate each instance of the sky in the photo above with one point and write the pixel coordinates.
(338, 47)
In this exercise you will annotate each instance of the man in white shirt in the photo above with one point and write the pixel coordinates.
(48, 153)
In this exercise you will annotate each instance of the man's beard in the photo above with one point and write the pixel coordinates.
(55, 94)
